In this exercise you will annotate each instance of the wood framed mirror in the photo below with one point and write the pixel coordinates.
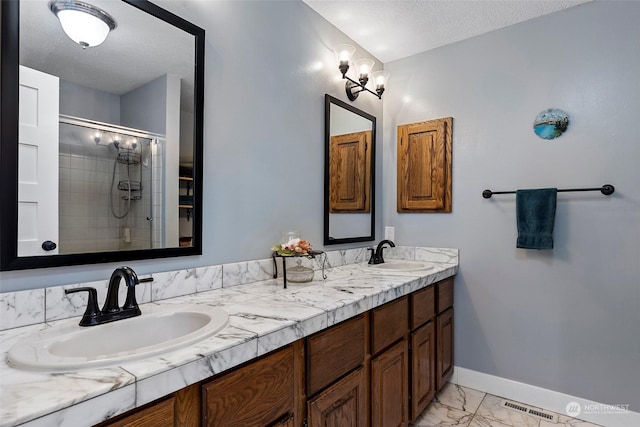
(101, 155)
(350, 134)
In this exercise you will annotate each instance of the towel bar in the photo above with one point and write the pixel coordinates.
(606, 189)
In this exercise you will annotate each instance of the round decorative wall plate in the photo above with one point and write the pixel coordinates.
(551, 123)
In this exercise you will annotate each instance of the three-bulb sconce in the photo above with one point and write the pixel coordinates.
(344, 53)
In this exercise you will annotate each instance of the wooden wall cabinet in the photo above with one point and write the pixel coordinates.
(350, 172)
(424, 166)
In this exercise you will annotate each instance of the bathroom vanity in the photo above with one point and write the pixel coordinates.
(400, 354)
(364, 347)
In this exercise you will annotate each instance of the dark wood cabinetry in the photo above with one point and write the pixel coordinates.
(444, 357)
(336, 375)
(343, 404)
(258, 394)
(390, 387)
(334, 352)
(159, 414)
(181, 408)
(444, 332)
(390, 364)
(423, 368)
(381, 368)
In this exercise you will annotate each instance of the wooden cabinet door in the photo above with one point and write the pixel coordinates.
(350, 172)
(423, 368)
(444, 325)
(344, 404)
(424, 166)
(390, 387)
(258, 394)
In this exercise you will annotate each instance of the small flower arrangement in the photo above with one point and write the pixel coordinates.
(293, 247)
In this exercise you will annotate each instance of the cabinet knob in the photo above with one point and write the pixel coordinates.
(48, 245)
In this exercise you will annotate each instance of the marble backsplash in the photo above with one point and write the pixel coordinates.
(34, 306)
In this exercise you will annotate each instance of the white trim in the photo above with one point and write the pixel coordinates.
(540, 397)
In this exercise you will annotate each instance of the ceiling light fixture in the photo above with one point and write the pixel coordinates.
(85, 24)
(344, 53)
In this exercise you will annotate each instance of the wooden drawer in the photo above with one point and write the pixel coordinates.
(256, 394)
(158, 414)
(334, 352)
(445, 294)
(423, 306)
(389, 323)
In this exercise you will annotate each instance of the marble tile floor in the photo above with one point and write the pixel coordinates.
(457, 406)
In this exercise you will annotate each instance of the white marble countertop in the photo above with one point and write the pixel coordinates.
(263, 317)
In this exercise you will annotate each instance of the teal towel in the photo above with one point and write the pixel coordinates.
(535, 214)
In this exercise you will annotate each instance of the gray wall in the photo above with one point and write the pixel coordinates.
(145, 107)
(268, 65)
(565, 319)
(88, 103)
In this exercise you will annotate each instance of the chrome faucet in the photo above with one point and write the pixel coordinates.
(376, 254)
(111, 310)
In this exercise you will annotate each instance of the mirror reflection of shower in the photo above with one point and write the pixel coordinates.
(128, 156)
(111, 191)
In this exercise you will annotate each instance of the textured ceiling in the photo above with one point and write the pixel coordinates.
(394, 29)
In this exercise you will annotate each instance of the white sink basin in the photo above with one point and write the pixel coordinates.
(67, 346)
(401, 265)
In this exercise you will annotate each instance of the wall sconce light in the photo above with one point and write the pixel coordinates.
(363, 67)
(85, 24)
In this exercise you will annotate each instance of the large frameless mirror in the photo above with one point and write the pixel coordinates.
(350, 134)
(101, 145)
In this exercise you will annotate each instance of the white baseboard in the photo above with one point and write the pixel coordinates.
(593, 412)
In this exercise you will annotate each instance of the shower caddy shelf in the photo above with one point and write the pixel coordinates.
(129, 157)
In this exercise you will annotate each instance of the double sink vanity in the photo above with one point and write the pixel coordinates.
(371, 343)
